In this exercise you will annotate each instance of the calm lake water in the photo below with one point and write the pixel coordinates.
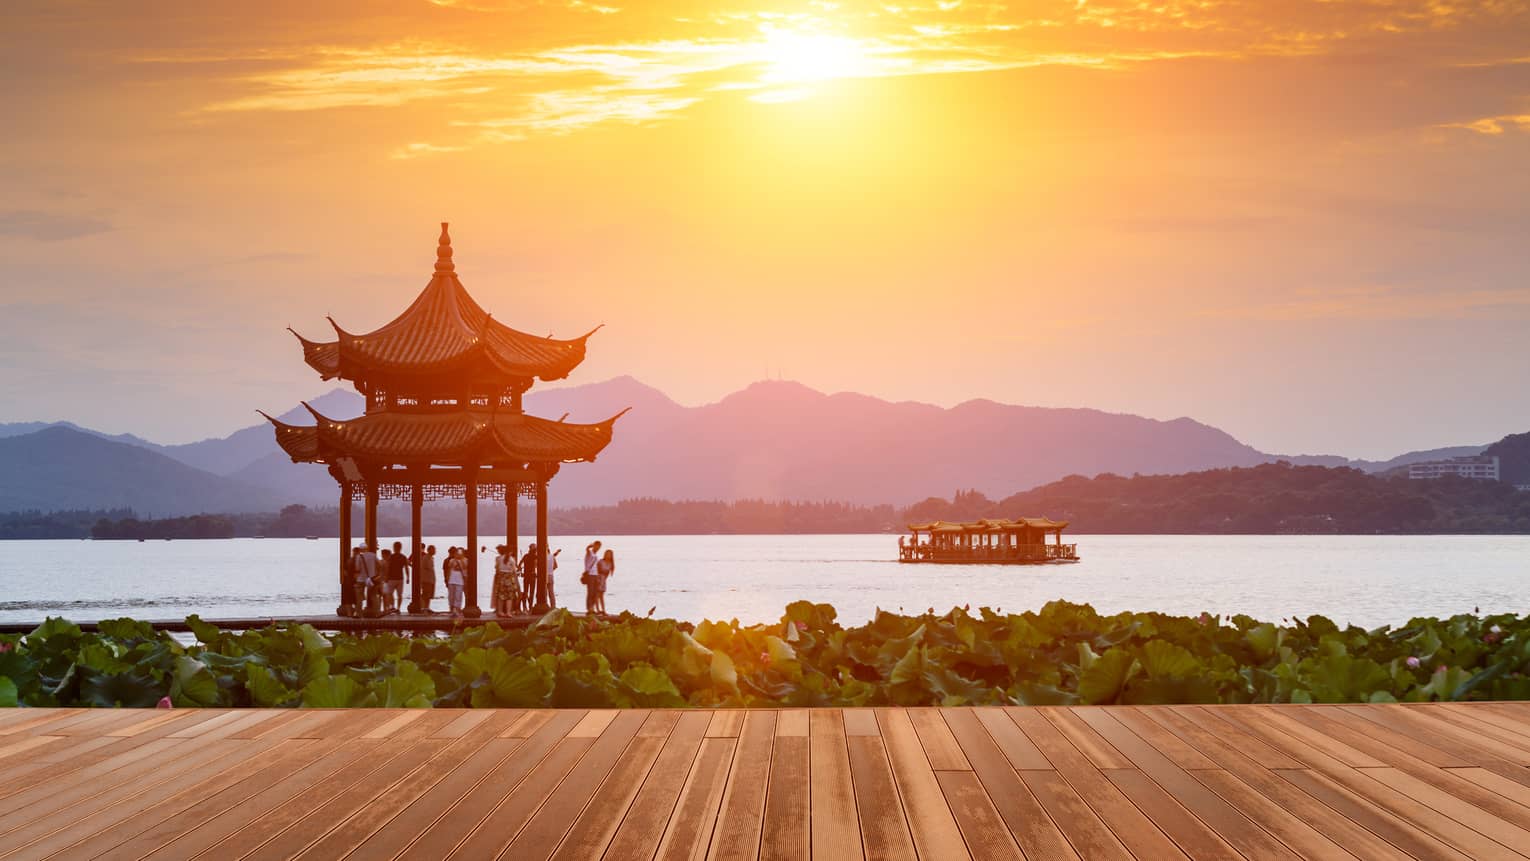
(1366, 580)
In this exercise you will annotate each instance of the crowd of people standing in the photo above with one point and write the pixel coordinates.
(379, 581)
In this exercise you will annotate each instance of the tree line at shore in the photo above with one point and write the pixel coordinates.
(1267, 499)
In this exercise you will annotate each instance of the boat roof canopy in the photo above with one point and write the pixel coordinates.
(990, 525)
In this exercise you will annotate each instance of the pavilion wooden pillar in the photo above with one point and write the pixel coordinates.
(471, 489)
(541, 605)
(347, 578)
(370, 514)
(513, 519)
(416, 502)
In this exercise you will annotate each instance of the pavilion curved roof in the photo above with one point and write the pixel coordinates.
(444, 331)
(457, 436)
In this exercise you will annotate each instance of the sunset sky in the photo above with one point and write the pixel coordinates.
(1306, 222)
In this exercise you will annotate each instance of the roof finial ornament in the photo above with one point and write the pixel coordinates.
(444, 252)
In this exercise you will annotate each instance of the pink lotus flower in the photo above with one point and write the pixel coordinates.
(1412, 662)
(764, 657)
(5, 647)
(1441, 668)
(164, 703)
(802, 626)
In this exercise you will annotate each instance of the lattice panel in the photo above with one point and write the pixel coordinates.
(434, 492)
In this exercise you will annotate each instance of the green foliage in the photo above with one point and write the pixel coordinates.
(1062, 654)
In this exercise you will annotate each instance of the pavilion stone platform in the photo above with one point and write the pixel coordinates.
(1427, 781)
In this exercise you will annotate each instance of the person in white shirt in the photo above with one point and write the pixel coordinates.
(456, 581)
(552, 566)
(507, 587)
(590, 579)
(373, 594)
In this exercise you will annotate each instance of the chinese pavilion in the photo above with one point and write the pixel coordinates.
(443, 384)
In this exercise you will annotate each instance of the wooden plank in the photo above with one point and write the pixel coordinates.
(308, 830)
(1162, 740)
(640, 832)
(291, 810)
(346, 837)
(35, 723)
(930, 818)
(129, 819)
(1376, 740)
(1398, 831)
(743, 805)
(43, 836)
(101, 755)
(1192, 835)
(1409, 810)
(980, 825)
(1021, 752)
(1473, 715)
(786, 834)
(216, 720)
(884, 829)
(1391, 748)
(467, 720)
(1035, 832)
(528, 723)
(1217, 739)
(1229, 755)
(1086, 833)
(726, 724)
(1294, 832)
(394, 724)
(593, 723)
(1131, 826)
(197, 830)
(1292, 722)
(861, 722)
(1516, 792)
(660, 723)
(1448, 805)
(144, 724)
(522, 765)
(545, 830)
(166, 826)
(432, 807)
(836, 831)
(1300, 750)
(29, 744)
(1080, 735)
(1227, 820)
(274, 726)
(938, 742)
(43, 799)
(792, 722)
(592, 832)
(690, 827)
(1465, 727)
(99, 721)
(516, 809)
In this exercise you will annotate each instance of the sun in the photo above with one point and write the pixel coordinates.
(792, 57)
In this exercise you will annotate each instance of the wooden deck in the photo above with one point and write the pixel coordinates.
(1442, 781)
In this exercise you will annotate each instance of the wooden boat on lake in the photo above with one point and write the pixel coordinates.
(1022, 541)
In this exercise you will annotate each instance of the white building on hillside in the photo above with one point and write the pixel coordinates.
(1479, 466)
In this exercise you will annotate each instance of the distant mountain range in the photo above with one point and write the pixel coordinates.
(772, 440)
